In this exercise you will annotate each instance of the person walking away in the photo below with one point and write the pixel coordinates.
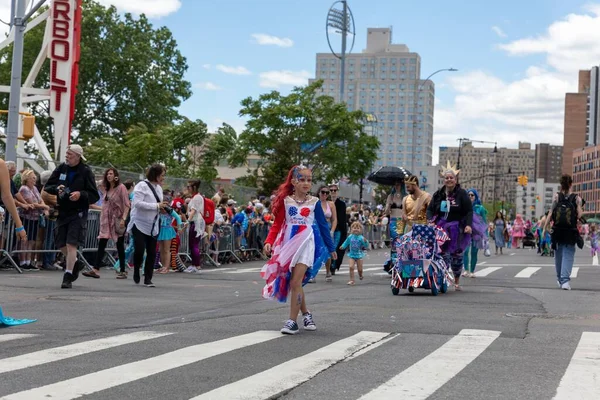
(74, 184)
(341, 227)
(518, 232)
(331, 217)
(115, 210)
(144, 224)
(566, 212)
(499, 231)
(196, 227)
(301, 243)
(478, 236)
(357, 244)
(452, 210)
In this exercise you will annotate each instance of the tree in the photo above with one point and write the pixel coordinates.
(130, 73)
(304, 127)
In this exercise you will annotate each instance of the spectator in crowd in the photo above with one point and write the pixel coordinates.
(115, 209)
(341, 229)
(170, 224)
(17, 197)
(73, 182)
(197, 226)
(144, 224)
(31, 217)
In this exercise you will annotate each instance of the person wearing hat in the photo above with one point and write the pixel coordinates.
(414, 206)
(75, 187)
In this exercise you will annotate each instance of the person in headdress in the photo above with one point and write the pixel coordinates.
(452, 210)
(414, 206)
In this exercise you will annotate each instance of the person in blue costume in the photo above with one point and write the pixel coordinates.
(478, 236)
(301, 243)
(9, 204)
(393, 208)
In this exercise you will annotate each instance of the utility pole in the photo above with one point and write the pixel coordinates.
(343, 58)
(12, 129)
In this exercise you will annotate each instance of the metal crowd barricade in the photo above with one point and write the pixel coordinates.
(224, 243)
(254, 241)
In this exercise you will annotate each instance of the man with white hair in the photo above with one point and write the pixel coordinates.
(74, 184)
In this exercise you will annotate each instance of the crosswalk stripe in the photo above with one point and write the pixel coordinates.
(430, 373)
(527, 272)
(15, 336)
(74, 350)
(580, 380)
(111, 377)
(243, 271)
(486, 271)
(290, 374)
(574, 272)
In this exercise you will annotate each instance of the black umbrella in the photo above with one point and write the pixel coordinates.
(389, 175)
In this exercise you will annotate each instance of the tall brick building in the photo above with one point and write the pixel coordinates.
(582, 117)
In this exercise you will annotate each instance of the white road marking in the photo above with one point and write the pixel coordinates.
(92, 383)
(290, 374)
(371, 347)
(482, 263)
(14, 336)
(486, 271)
(429, 374)
(574, 272)
(512, 254)
(580, 380)
(74, 350)
(527, 272)
(243, 271)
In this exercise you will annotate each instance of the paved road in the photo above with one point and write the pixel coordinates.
(511, 334)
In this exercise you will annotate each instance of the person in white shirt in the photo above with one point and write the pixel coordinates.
(144, 224)
(197, 226)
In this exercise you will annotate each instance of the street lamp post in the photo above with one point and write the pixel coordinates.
(418, 88)
(342, 21)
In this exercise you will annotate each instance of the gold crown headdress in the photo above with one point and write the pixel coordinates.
(412, 180)
(449, 169)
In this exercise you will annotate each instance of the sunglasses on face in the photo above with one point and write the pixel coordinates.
(324, 192)
(334, 190)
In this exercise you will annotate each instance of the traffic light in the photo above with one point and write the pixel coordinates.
(520, 180)
(28, 127)
(525, 180)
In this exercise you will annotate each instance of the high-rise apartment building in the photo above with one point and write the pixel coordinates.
(582, 116)
(492, 174)
(586, 178)
(384, 80)
(548, 162)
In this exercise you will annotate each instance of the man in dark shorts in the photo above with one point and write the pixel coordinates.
(74, 184)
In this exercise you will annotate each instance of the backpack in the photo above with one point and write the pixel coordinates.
(564, 214)
(209, 211)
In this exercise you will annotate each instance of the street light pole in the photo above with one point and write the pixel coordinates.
(340, 20)
(419, 87)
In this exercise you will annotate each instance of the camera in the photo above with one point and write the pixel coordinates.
(65, 193)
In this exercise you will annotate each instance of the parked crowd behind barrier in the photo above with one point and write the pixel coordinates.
(223, 244)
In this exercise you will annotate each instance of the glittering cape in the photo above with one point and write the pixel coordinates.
(277, 271)
(8, 321)
(458, 242)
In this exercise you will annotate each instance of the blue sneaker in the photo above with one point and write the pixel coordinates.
(290, 327)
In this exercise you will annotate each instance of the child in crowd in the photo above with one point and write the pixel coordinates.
(357, 243)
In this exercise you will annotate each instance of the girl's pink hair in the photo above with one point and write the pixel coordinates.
(284, 190)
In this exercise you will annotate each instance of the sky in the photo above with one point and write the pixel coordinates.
(516, 59)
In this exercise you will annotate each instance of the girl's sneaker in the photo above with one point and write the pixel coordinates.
(290, 327)
(309, 324)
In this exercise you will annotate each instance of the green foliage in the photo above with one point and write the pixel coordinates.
(304, 127)
(130, 73)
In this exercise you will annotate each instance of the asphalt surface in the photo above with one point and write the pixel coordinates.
(213, 336)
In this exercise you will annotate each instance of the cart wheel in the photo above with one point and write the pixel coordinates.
(434, 290)
(444, 287)
(411, 289)
(395, 291)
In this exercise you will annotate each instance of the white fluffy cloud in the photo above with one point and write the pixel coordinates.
(276, 79)
(530, 108)
(233, 70)
(207, 86)
(268, 40)
(152, 8)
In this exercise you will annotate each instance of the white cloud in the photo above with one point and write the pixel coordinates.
(276, 79)
(206, 66)
(530, 108)
(268, 40)
(152, 8)
(237, 124)
(207, 86)
(233, 70)
(4, 16)
(498, 31)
